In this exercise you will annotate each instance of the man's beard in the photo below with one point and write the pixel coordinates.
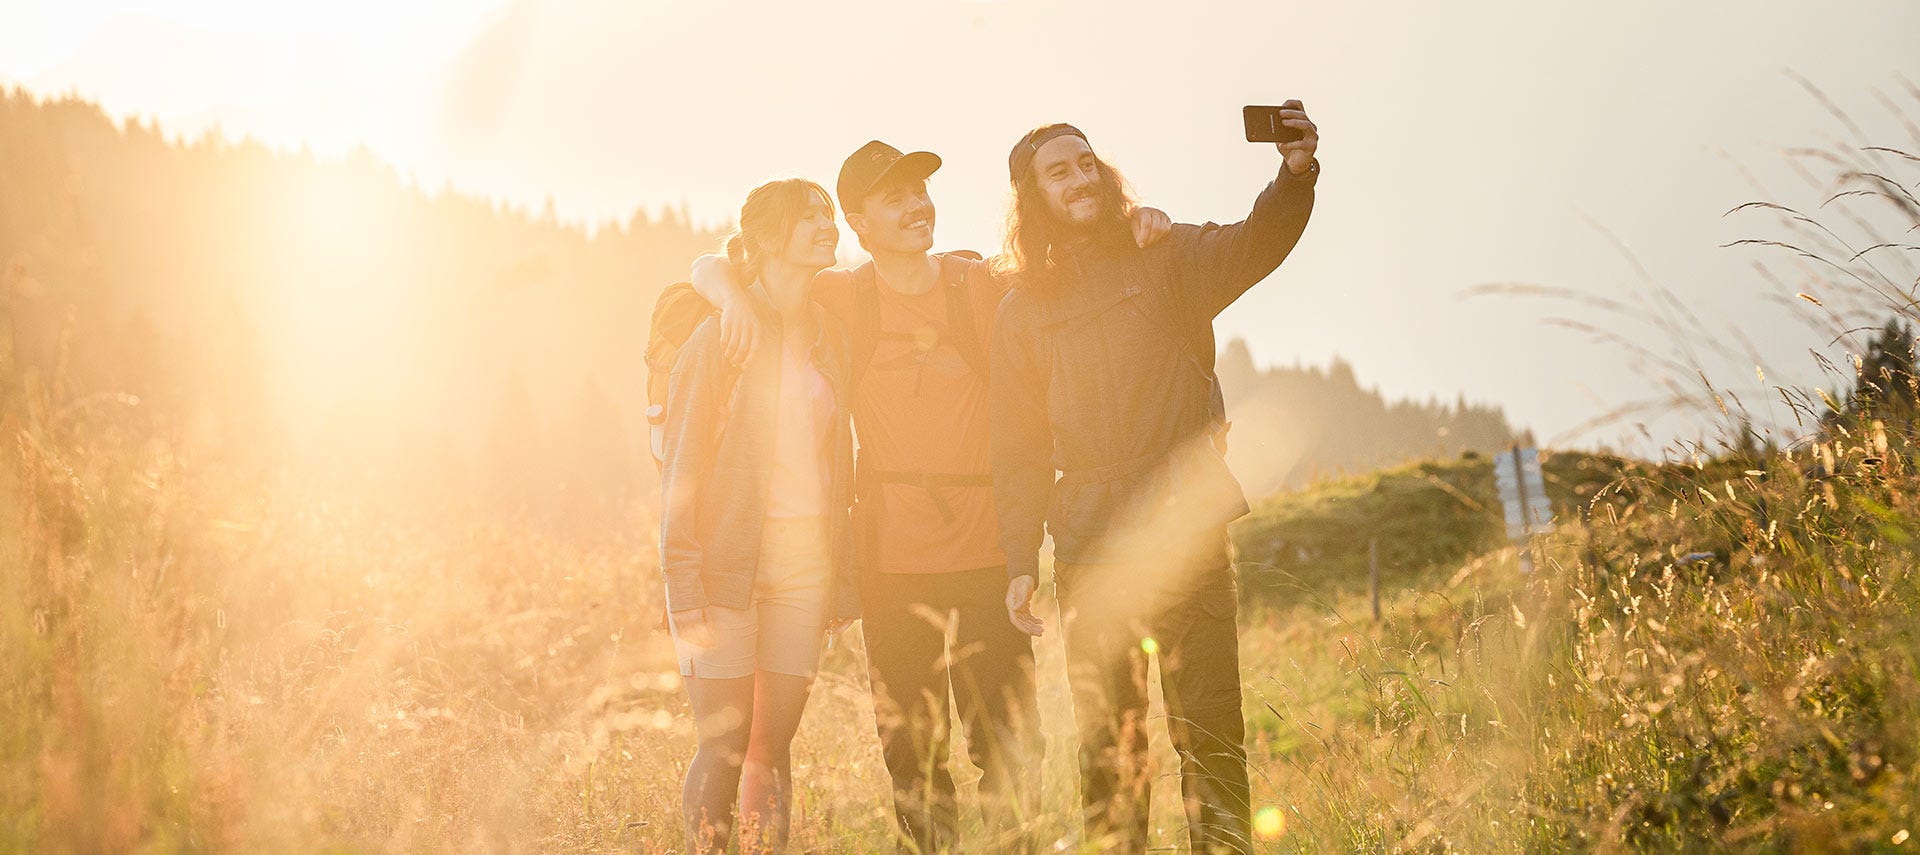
(1106, 214)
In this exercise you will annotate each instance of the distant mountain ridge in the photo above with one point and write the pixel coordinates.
(1294, 425)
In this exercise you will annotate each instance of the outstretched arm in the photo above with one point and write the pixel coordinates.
(1219, 263)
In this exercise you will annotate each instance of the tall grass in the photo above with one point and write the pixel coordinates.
(195, 662)
(1716, 653)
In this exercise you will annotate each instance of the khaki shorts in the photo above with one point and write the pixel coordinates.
(780, 631)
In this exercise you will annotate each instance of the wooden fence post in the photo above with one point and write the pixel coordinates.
(1373, 575)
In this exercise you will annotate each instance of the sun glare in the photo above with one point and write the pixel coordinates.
(336, 302)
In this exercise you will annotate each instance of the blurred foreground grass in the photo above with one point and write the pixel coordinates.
(1724, 656)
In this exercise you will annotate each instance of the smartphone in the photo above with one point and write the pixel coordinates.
(1263, 125)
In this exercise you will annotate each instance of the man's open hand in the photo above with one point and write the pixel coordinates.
(739, 330)
(1150, 225)
(1020, 606)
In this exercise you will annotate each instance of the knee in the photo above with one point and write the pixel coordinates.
(727, 746)
(723, 723)
(720, 754)
(1221, 721)
(769, 754)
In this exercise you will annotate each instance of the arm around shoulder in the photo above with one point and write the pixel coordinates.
(713, 277)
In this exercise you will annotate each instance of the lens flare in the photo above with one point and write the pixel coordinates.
(1269, 823)
(1149, 645)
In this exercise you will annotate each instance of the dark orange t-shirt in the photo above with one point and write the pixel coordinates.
(921, 407)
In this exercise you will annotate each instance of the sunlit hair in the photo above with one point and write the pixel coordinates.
(767, 220)
(1033, 230)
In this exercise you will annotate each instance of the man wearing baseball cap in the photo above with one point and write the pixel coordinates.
(1103, 371)
(927, 536)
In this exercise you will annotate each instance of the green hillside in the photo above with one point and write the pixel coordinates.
(1423, 517)
(1722, 657)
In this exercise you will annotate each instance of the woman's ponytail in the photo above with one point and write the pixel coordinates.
(747, 270)
(768, 217)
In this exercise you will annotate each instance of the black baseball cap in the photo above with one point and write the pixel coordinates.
(877, 163)
(1022, 155)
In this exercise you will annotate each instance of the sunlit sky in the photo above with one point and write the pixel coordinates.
(1462, 143)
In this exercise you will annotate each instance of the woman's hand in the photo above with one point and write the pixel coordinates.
(691, 626)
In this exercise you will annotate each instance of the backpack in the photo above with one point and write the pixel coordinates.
(676, 314)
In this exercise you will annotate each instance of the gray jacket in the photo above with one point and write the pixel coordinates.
(719, 441)
(1106, 377)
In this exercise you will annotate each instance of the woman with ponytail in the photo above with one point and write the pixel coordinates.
(756, 481)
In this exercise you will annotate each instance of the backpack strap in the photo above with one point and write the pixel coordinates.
(865, 329)
(961, 324)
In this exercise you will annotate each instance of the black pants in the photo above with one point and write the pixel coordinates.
(928, 634)
(1116, 616)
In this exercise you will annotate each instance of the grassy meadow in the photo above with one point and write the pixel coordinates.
(194, 664)
(209, 650)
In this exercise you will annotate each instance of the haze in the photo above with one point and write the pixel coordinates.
(1498, 142)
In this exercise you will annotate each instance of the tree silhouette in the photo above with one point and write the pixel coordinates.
(279, 307)
(1885, 385)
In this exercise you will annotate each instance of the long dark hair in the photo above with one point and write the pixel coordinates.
(767, 219)
(1033, 230)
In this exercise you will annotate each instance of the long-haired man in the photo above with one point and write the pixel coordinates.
(1102, 367)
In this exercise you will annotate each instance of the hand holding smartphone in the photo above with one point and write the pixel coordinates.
(1264, 125)
(1288, 128)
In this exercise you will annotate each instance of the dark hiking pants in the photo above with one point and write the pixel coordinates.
(931, 634)
(1116, 617)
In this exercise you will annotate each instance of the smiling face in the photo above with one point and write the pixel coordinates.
(1068, 176)
(814, 236)
(897, 217)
